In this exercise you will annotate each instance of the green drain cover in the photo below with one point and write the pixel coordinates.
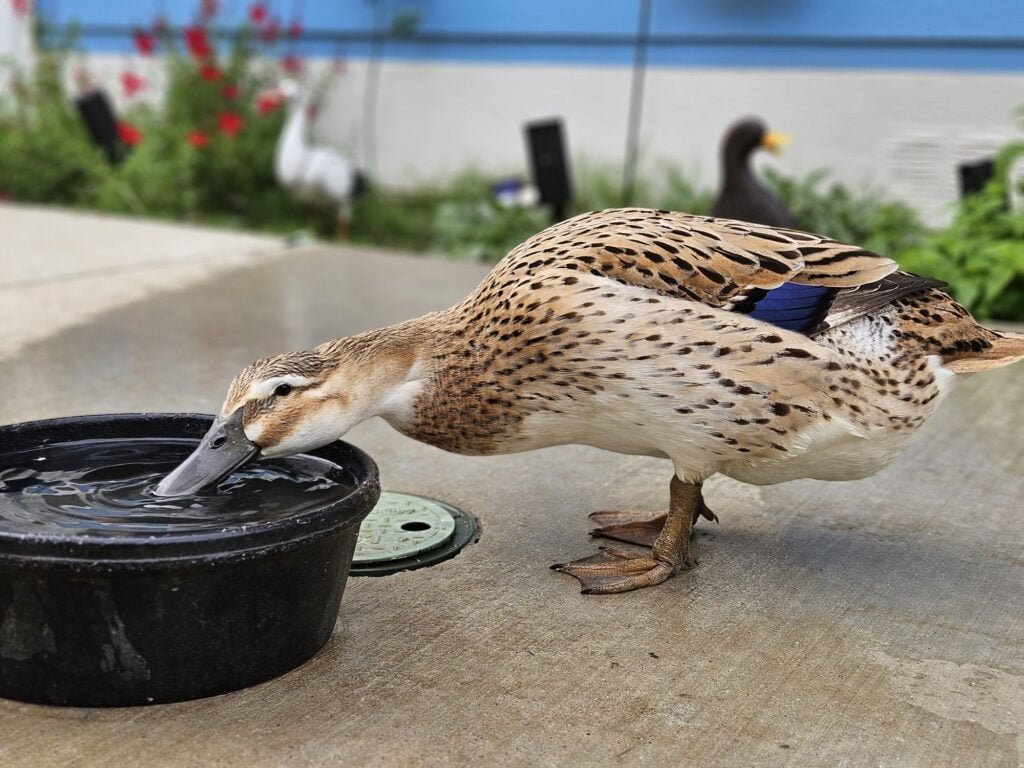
(404, 532)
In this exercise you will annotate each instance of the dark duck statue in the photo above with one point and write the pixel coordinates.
(741, 195)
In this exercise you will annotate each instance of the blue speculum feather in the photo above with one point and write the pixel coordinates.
(793, 306)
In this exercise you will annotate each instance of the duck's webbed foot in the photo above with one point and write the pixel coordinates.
(640, 527)
(632, 527)
(615, 570)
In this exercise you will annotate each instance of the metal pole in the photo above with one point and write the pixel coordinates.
(371, 88)
(636, 100)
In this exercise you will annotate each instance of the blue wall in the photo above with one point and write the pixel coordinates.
(882, 34)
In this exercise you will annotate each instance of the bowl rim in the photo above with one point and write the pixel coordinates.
(90, 552)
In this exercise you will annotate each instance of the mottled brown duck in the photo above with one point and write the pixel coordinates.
(762, 353)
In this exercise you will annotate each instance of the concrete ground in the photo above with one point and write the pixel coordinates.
(878, 622)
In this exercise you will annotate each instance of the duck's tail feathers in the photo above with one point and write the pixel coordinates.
(1005, 347)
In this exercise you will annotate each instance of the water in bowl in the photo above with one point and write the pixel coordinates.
(105, 487)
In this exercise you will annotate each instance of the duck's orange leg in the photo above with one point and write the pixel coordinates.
(615, 570)
(640, 527)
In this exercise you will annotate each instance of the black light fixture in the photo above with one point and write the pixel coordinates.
(95, 111)
(549, 163)
(974, 176)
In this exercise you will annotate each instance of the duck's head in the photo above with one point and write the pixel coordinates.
(747, 135)
(290, 404)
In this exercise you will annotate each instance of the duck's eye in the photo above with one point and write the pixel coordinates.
(282, 390)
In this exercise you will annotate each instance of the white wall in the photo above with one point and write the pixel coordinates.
(903, 131)
(15, 42)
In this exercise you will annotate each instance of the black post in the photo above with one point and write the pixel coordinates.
(94, 109)
(974, 176)
(550, 165)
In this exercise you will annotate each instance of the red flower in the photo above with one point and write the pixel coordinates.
(267, 102)
(197, 42)
(229, 123)
(145, 43)
(295, 29)
(269, 31)
(21, 7)
(209, 73)
(128, 133)
(291, 64)
(132, 84)
(257, 13)
(197, 139)
(208, 9)
(230, 91)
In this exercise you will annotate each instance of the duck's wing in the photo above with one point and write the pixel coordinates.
(719, 262)
(851, 303)
(715, 261)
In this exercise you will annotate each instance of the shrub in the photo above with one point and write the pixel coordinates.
(45, 154)
(981, 254)
(864, 218)
(205, 154)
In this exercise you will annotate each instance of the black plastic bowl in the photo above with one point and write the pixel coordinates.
(88, 621)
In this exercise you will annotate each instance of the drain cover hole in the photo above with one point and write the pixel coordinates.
(415, 525)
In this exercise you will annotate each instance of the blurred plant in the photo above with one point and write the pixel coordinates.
(460, 220)
(981, 254)
(399, 219)
(205, 153)
(45, 154)
(864, 218)
(678, 193)
(470, 224)
(599, 186)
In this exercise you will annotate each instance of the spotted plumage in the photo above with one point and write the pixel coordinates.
(763, 353)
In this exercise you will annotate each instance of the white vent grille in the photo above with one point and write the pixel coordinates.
(922, 168)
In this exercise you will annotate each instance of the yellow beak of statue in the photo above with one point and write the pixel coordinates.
(774, 141)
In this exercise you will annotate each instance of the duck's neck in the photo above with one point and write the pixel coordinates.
(395, 364)
(736, 171)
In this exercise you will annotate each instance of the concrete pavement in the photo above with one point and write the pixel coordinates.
(877, 622)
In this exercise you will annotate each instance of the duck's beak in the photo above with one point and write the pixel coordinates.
(774, 141)
(222, 450)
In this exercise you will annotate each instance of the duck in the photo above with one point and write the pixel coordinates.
(762, 353)
(741, 196)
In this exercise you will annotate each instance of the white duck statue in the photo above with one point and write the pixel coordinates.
(311, 173)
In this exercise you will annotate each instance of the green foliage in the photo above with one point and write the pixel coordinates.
(45, 153)
(396, 219)
(863, 218)
(596, 187)
(47, 156)
(981, 254)
(681, 194)
(471, 225)
(600, 186)
(459, 220)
